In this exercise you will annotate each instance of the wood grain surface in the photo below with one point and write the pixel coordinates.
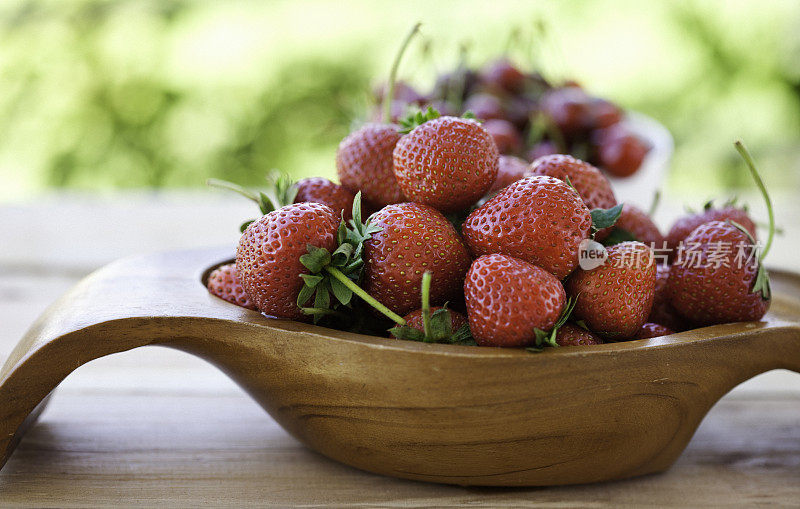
(159, 427)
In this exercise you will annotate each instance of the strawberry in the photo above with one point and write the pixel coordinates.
(364, 162)
(448, 163)
(710, 283)
(268, 257)
(537, 219)
(687, 224)
(322, 190)
(509, 170)
(662, 312)
(653, 330)
(719, 276)
(593, 187)
(615, 298)
(636, 224)
(414, 238)
(572, 335)
(433, 324)
(224, 283)
(511, 302)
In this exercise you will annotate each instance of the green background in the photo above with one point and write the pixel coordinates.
(104, 95)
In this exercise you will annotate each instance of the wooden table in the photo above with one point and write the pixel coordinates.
(158, 427)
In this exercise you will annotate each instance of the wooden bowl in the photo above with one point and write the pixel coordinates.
(439, 413)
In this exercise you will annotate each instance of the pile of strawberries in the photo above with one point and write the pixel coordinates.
(510, 259)
(529, 117)
(467, 246)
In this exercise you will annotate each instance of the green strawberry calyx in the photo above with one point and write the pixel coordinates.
(416, 118)
(617, 236)
(338, 274)
(437, 326)
(761, 283)
(605, 218)
(545, 338)
(280, 191)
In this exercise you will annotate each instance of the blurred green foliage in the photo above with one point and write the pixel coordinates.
(99, 94)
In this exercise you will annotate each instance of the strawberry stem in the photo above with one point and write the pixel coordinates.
(761, 187)
(369, 299)
(426, 303)
(230, 186)
(389, 97)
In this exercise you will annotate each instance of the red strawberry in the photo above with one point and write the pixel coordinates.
(593, 186)
(615, 298)
(509, 170)
(637, 225)
(268, 257)
(538, 219)
(322, 190)
(364, 162)
(653, 330)
(687, 224)
(510, 301)
(414, 238)
(572, 335)
(719, 276)
(663, 313)
(224, 283)
(414, 318)
(713, 280)
(448, 163)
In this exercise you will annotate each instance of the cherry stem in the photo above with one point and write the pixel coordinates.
(369, 299)
(426, 304)
(751, 165)
(654, 205)
(230, 186)
(389, 97)
(455, 92)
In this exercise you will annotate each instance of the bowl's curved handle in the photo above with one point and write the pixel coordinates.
(130, 303)
(781, 348)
